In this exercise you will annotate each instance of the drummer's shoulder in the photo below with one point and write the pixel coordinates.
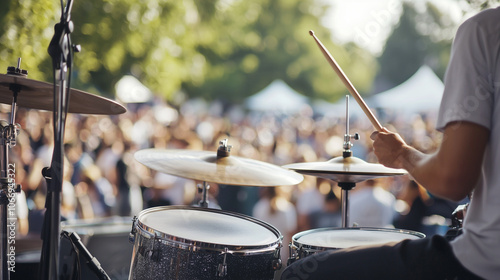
(488, 17)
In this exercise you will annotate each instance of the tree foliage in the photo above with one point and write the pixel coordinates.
(26, 28)
(217, 49)
(422, 36)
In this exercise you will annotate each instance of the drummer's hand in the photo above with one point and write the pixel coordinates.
(388, 147)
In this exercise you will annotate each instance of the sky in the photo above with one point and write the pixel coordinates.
(368, 23)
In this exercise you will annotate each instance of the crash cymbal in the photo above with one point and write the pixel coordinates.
(39, 95)
(208, 167)
(345, 170)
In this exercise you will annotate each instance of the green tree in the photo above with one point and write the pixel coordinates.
(26, 28)
(216, 49)
(259, 41)
(423, 36)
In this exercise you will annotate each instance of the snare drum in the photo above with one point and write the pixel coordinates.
(180, 242)
(312, 241)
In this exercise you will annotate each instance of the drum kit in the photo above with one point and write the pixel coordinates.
(178, 242)
(182, 242)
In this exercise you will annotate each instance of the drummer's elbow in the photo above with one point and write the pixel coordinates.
(454, 186)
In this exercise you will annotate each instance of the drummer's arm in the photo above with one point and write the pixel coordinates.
(452, 171)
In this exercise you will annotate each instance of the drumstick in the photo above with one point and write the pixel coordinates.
(348, 83)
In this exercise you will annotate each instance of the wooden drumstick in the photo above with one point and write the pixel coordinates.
(348, 84)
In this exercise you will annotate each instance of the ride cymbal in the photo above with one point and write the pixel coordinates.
(345, 170)
(208, 167)
(39, 95)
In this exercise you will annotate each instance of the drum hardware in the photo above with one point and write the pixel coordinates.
(223, 151)
(277, 263)
(457, 219)
(9, 132)
(203, 189)
(222, 268)
(154, 253)
(131, 236)
(346, 170)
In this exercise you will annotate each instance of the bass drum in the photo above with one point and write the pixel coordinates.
(181, 242)
(312, 241)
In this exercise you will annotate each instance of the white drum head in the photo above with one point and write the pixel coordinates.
(350, 237)
(208, 226)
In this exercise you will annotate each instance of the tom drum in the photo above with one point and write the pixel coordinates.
(316, 240)
(180, 242)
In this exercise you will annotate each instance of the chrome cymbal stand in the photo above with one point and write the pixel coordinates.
(224, 150)
(8, 187)
(347, 186)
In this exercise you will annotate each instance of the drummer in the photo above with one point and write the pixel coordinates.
(467, 161)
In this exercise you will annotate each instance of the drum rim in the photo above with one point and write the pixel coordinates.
(195, 245)
(295, 242)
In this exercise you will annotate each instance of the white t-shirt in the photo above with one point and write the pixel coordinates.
(472, 93)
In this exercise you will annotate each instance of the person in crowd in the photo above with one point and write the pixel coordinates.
(330, 215)
(276, 210)
(371, 205)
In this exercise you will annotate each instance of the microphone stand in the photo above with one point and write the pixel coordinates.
(60, 49)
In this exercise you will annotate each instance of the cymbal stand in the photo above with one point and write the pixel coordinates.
(347, 186)
(224, 150)
(61, 51)
(203, 189)
(8, 189)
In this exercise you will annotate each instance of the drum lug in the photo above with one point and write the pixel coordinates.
(222, 269)
(291, 254)
(131, 236)
(276, 263)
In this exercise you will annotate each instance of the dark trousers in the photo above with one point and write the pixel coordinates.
(428, 258)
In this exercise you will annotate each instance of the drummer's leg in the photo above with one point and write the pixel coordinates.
(381, 262)
(429, 258)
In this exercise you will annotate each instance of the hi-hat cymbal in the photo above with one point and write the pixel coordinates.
(345, 170)
(206, 166)
(39, 95)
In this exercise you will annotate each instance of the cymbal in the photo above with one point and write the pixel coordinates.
(206, 166)
(39, 95)
(345, 170)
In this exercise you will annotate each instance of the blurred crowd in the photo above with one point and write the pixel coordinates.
(102, 178)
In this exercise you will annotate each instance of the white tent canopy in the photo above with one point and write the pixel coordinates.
(277, 97)
(130, 90)
(421, 93)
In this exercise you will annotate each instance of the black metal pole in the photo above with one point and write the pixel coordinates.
(60, 49)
